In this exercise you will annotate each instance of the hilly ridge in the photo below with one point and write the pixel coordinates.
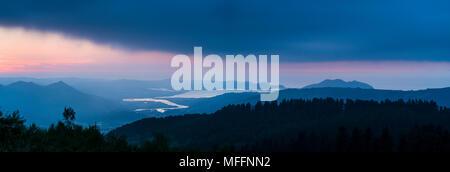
(210, 105)
(43, 105)
(338, 83)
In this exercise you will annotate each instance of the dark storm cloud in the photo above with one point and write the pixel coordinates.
(316, 30)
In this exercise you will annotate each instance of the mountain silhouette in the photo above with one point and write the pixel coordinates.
(115, 90)
(43, 105)
(338, 83)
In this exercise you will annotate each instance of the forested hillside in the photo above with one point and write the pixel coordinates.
(245, 127)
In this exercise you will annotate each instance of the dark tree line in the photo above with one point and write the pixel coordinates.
(66, 136)
(426, 138)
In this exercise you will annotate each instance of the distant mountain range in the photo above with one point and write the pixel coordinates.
(115, 90)
(44, 105)
(111, 89)
(338, 83)
(210, 105)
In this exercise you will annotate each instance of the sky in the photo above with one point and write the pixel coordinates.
(390, 44)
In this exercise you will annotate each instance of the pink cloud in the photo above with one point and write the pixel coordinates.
(31, 51)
